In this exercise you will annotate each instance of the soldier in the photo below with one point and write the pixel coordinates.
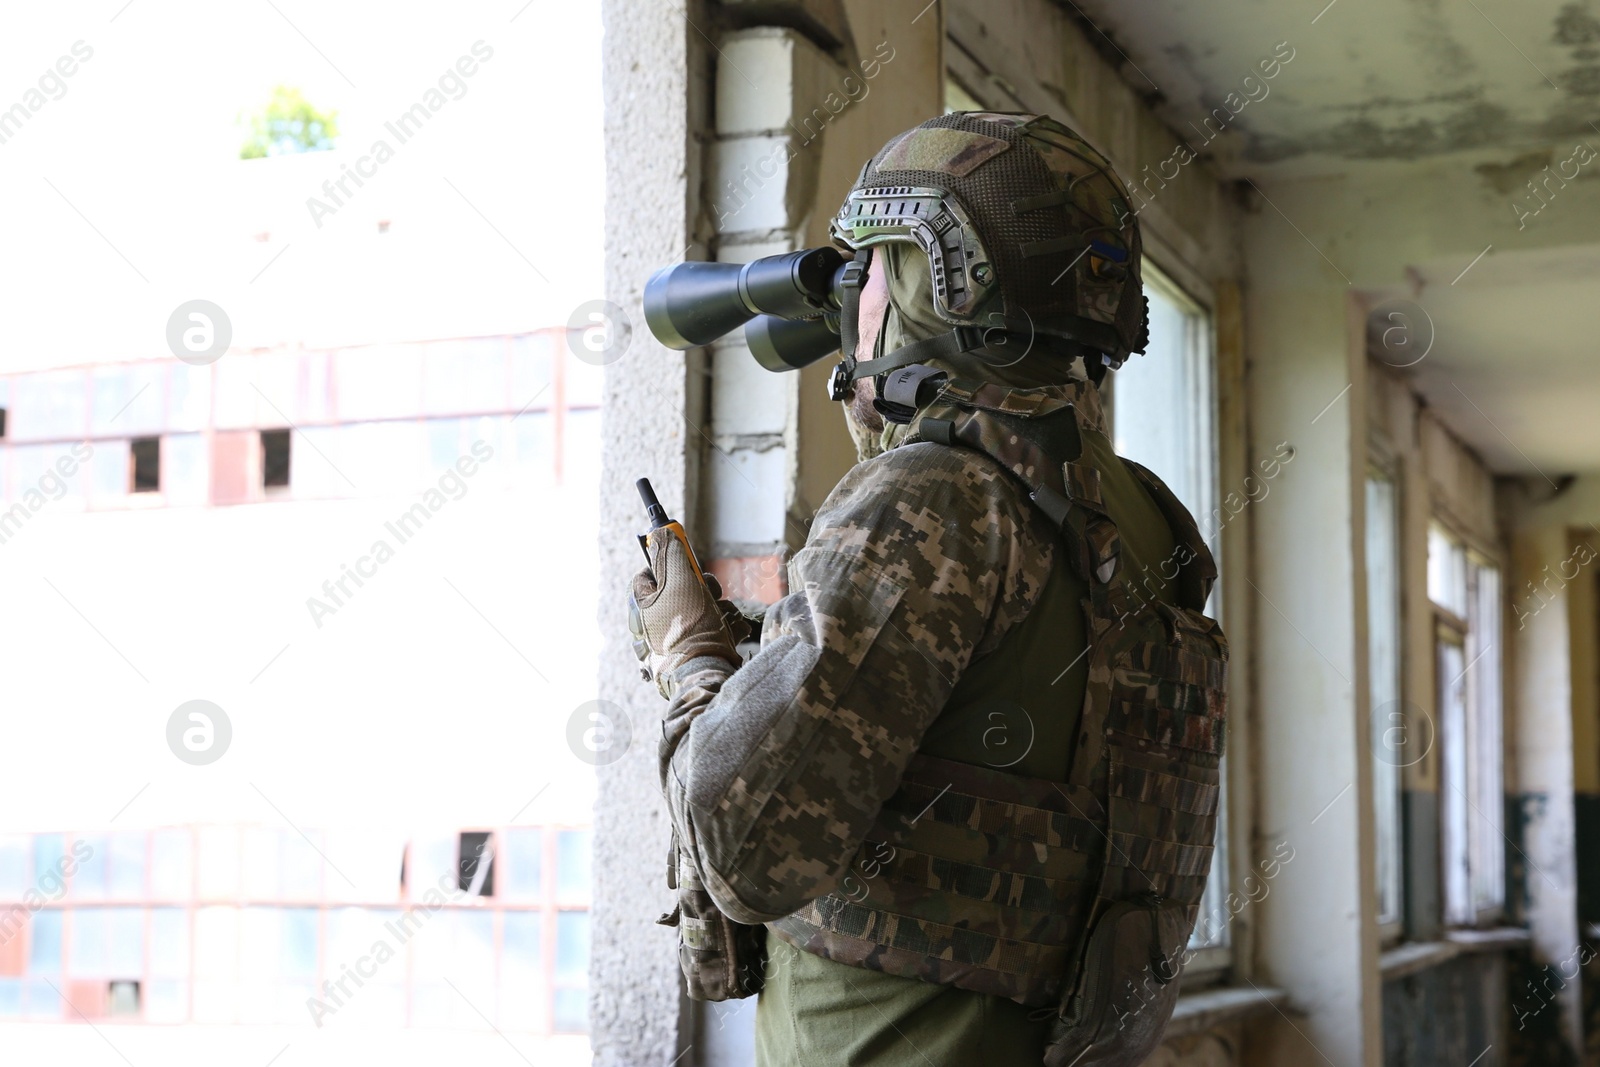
(964, 796)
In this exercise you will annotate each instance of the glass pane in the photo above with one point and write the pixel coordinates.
(89, 880)
(521, 873)
(371, 861)
(216, 935)
(42, 475)
(381, 381)
(521, 958)
(50, 863)
(87, 956)
(302, 865)
(522, 971)
(572, 946)
(129, 398)
(263, 863)
(1162, 403)
(458, 945)
(316, 403)
(1389, 723)
(13, 866)
(48, 406)
(236, 400)
(190, 402)
(260, 932)
(44, 943)
(446, 444)
(172, 865)
(169, 943)
(127, 866)
(298, 955)
(186, 469)
(1487, 757)
(167, 1002)
(10, 998)
(1447, 570)
(1454, 812)
(124, 942)
(219, 862)
(40, 1001)
(573, 851)
(107, 477)
(278, 380)
(433, 865)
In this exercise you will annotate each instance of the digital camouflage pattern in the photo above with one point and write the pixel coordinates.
(995, 886)
(1062, 244)
(776, 774)
(796, 786)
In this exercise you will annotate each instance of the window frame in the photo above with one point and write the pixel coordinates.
(1210, 961)
(78, 904)
(1482, 833)
(1391, 926)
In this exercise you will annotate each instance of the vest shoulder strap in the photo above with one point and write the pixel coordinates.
(1197, 567)
(1017, 429)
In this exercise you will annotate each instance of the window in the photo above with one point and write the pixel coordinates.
(1392, 730)
(145, 465)
(274, 458)
(228, 924)
(1465, 589)
(1163, 415)
(475, 864)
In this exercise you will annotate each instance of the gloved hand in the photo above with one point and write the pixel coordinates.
(673, 617)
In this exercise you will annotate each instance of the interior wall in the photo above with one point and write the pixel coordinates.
(907, 39)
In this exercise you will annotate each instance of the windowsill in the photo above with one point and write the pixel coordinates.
(1415, 956)
(1493, 939)
(1199, 1012)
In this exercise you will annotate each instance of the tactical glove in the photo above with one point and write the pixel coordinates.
(674, 616)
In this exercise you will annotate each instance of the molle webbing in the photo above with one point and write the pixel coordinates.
(988, 880)
(1002, 872)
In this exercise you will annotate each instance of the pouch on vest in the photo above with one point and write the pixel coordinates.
(1128, 986)
(721, 959)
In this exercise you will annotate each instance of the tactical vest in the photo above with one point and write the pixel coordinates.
(1079, 895)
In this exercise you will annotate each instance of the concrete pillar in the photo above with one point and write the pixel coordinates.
(1313, 749)
(1541, 755)
(651, 406)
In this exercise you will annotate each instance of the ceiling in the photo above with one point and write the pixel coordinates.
(1364, 79)
(1510, 356)
(1512, 363)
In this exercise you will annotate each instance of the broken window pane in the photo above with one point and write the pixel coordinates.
(144, 475)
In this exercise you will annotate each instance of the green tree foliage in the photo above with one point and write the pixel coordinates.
(287, 124)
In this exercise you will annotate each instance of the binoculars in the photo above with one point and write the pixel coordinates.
(788, 305)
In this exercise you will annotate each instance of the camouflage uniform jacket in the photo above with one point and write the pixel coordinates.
(920, 560)
(918, 563)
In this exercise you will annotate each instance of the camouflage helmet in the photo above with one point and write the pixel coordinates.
(1024, 224)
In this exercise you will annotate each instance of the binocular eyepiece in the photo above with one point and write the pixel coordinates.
(788, 305)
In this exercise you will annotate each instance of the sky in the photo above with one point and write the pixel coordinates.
(127, 196)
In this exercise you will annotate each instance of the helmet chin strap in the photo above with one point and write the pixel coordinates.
(842, 384)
